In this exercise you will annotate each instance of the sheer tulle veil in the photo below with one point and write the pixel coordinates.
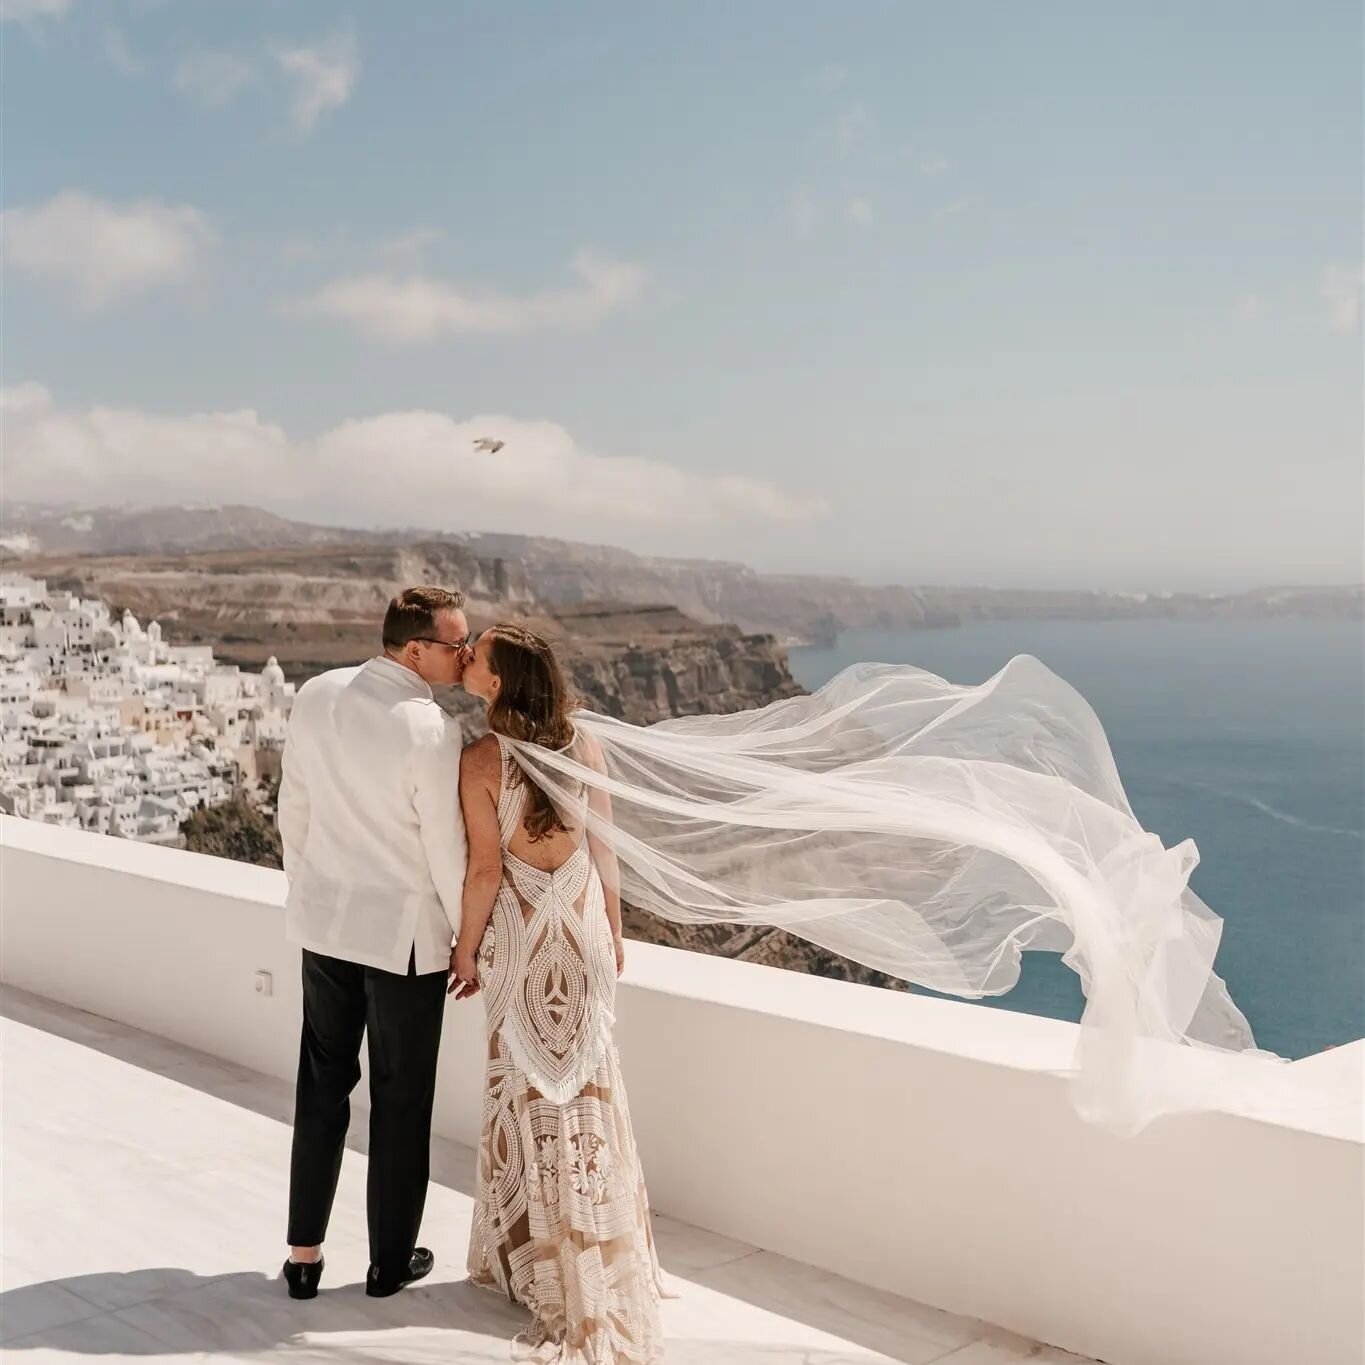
(937, 832)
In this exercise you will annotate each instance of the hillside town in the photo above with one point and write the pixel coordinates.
(106, 727)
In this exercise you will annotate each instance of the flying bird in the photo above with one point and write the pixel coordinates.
(488, 446)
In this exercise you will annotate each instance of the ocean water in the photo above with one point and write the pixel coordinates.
(1247, 736)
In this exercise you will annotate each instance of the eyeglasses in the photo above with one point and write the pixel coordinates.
(463, 645)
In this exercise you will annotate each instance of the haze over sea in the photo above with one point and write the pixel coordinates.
(1247, 736)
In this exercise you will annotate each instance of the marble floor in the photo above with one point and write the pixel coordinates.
(142, 1198)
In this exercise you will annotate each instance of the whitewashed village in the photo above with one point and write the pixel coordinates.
(106, 727)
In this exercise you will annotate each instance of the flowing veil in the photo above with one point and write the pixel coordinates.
(935, 832)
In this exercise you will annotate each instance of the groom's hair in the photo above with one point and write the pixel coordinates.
(412, 614)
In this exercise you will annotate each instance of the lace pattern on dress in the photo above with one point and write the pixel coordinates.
(561, 1221)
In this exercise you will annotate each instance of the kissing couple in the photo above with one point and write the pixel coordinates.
(399, 844)
(931, 830)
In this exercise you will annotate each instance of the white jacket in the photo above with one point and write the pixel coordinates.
(369, 812)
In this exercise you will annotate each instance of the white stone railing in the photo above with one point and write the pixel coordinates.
(921, 1146)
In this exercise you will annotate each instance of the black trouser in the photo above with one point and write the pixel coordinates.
(402, 1016)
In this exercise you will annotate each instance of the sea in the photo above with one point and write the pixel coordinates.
(1246, 736)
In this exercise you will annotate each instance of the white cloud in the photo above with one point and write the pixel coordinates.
(24, 400)
(1341, 286)
(103, 251)
(1249, 307)
(861, 212)
(324, 76)
(320, 76)
(397, 469)
(418, 308)
(213, 78)
(33, 9)
(934, 164)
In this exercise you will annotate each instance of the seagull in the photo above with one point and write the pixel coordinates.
(488, 445)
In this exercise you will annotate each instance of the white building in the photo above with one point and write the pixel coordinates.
(105, 727)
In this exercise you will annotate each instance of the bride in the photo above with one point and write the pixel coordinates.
(561, 1221)
(926, 829)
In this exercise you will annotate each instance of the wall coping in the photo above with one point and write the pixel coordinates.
(994, 1037)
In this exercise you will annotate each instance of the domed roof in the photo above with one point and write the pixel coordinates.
(272, 673)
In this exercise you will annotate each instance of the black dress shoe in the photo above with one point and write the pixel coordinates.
(419, 1267)
(302, 1277)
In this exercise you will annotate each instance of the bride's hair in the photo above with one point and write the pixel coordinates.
(532, 705)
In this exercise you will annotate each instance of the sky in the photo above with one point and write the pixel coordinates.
(1056, 294)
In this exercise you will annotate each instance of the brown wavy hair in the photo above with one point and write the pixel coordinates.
(533, 705)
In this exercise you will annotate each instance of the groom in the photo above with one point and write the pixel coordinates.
(374, 850)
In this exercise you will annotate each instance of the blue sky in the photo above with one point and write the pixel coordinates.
(1054, 294)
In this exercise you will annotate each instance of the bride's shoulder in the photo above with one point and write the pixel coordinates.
(481, 757)
(588, 750)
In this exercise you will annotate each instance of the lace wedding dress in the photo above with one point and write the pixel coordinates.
(561, 1223)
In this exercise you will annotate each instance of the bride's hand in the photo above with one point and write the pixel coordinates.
(620, 955)
(465, 972)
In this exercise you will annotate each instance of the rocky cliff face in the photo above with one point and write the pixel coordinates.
(313, 607)
(646, 663)
(749, 943)
(504, 568)
(76, 529)
(320, 607)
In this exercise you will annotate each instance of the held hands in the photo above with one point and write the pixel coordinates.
(464, 972)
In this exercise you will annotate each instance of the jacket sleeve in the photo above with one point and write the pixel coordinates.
(436, 799)
(291, 812)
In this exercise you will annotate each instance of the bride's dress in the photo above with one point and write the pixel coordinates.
(561, 1222)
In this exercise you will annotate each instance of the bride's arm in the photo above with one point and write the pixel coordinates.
(479, 773)
(602, 850)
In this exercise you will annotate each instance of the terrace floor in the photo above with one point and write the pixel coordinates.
(144, 1189)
